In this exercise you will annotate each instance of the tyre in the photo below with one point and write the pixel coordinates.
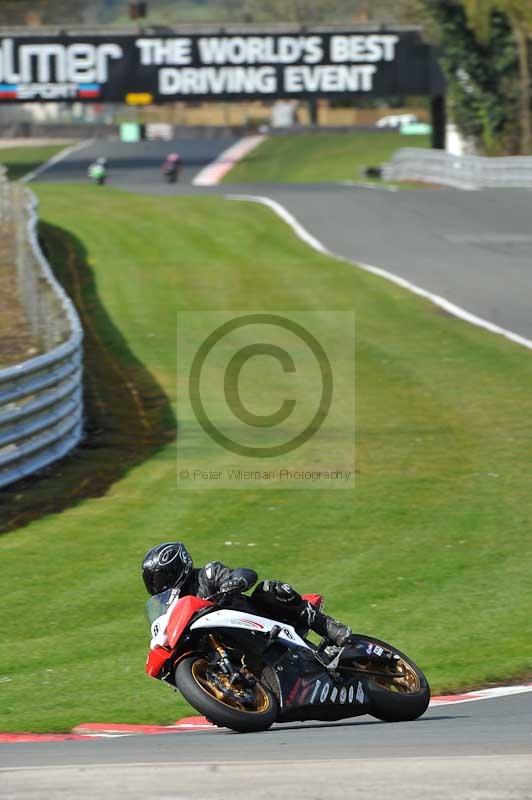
(398, 700)
(227, 710)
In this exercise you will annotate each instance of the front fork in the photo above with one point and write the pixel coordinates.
(228, 668)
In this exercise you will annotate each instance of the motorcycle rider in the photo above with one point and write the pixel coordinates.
(171, 165)
(169, 566)
(98, 170)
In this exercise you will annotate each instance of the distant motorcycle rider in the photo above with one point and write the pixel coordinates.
(169, 566)
(171, 166)
(98, 170)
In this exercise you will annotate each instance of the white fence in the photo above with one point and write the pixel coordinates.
(41, 408)
(462, 172)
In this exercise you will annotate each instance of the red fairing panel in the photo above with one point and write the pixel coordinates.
(315, 600)
(181, 615)
(156, 660)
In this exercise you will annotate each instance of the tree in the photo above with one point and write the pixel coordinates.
(42, 12)
(303, 12)
(519, 13)
(482, 76)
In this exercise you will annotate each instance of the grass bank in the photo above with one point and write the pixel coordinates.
(432, 549)
(313, 158)
(21, 160)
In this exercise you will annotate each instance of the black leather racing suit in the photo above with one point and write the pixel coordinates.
(272, 598)
(210, 579)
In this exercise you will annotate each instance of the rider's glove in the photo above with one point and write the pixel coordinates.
(283, 592)
(233, 586)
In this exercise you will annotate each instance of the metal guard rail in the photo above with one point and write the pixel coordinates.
(41, 406)
(461, 172)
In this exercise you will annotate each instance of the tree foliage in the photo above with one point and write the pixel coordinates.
(482, 72)
(19, 12)
(519, 14)
(42, 12)
(306, 12)
(479, 12)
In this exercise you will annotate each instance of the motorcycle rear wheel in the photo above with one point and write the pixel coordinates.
(193, 682)
(393, 699)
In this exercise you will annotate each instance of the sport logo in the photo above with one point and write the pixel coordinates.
(168, 555)
(288, 633)
(315, 691)
(251, 622)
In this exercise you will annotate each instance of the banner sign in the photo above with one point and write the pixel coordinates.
(224, 66)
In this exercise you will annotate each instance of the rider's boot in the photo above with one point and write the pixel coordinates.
(331, 629)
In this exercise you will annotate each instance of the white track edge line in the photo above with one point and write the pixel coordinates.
(480, 694)
(442, 302)
(55, 159)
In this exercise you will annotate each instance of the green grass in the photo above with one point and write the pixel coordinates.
(317, 157)
(21, 160)
(432, 550)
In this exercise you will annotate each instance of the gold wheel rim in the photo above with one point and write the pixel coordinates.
(407, 683)
(262, 698)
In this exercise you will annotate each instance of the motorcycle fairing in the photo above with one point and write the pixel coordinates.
(307, 691)
(181, 615)
(157, 658)
(323, 699)
(303, 687)
(228, 618)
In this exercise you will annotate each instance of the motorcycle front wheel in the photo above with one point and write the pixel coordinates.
(223, 703)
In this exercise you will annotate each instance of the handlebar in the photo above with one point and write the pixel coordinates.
(218, 597)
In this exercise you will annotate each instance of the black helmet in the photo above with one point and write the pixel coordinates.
(166, 566)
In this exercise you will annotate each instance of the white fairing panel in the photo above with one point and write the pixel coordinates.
(226, 618)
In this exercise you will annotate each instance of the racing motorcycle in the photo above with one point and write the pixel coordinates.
(171, 168)
(245, 671)
(98, 171)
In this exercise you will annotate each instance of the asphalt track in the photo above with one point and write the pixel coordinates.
(138, 163)
(468, 750)
(475, 248)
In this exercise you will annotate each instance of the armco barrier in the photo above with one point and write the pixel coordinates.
(462, 172)
(41, 407)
